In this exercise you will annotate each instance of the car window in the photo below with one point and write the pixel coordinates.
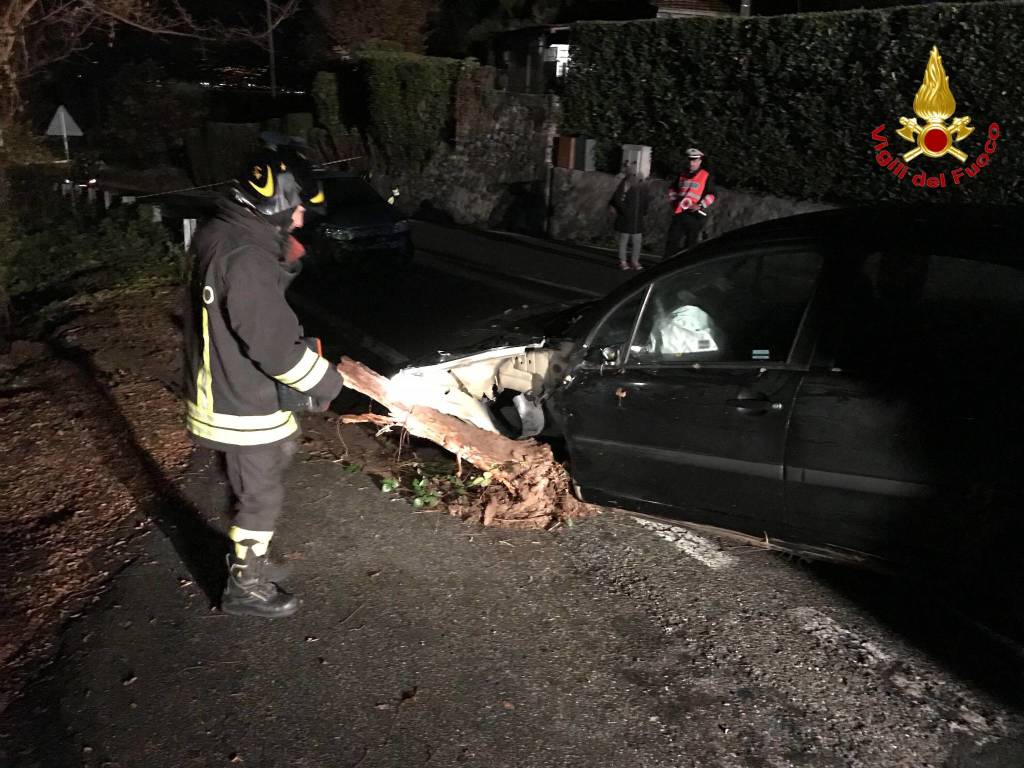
(929, 312)
(738, 309)
(344, 191)
(617, 327)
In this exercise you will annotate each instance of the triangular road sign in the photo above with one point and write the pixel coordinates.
(63, 124)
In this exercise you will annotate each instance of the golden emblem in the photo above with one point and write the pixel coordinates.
(934, 103)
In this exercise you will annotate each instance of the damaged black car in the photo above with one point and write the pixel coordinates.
(844, 385)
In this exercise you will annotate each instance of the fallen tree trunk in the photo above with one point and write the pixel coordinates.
(533, 491)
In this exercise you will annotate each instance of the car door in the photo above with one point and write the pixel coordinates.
(680, 407)
(904, 439)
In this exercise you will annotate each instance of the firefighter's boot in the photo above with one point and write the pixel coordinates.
(249, 591)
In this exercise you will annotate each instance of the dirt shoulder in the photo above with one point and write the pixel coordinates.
(90, 428)
(92, 449)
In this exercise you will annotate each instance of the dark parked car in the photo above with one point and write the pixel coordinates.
(846, 385)
(357, 222)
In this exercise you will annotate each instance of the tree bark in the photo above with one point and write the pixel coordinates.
(532, 489)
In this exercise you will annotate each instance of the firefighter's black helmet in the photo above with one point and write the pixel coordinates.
(277, 181)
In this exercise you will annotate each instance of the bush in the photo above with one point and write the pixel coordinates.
(786, 104)
(79, 252)
(409, 103)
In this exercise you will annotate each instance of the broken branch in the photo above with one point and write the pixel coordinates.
(537, 490)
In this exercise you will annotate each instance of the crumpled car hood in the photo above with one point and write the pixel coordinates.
(465, 386)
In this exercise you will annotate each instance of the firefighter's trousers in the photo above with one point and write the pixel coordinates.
(256, 476)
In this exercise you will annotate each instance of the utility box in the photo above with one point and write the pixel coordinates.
(637, 156)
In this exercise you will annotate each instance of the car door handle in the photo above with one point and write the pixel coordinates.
(755, 404)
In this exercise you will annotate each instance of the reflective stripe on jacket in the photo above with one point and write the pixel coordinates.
(241, 336)
(693, 190)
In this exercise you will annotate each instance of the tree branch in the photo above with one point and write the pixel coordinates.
(256, 32)
(180, 24)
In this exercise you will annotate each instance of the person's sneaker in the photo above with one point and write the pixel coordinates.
(637, 267)
(623, 265)
(250, 593)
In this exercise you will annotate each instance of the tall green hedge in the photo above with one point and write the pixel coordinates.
(787, 104)
(410, 104)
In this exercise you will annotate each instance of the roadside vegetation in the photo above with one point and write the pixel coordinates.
(785, 105)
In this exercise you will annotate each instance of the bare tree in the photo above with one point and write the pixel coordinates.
(35, 34)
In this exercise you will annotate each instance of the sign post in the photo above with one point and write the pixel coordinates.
(63, 124)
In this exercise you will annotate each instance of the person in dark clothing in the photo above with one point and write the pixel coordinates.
(690, 195)
(630, 203)
(241, 341)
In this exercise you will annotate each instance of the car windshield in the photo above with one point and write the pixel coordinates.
(344, 191)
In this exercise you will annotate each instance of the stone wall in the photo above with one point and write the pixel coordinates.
(579, 209)
(496, 174)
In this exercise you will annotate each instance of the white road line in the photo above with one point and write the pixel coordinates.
(830, 632)
(689, 543)
(956, 703)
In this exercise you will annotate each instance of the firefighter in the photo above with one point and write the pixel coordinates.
(690, 196)
(241, 340)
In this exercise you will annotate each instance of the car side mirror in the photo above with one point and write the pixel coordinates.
(603, 355)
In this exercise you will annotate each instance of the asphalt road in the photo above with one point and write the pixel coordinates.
(425, 641)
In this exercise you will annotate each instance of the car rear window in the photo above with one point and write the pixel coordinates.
(349, 191)
(926, 311)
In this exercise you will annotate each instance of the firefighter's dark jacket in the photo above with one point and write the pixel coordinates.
(241, 336)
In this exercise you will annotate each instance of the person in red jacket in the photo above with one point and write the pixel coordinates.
(690, 195)
(243, 342)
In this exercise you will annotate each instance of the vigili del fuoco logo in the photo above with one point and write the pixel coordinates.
(934, 137)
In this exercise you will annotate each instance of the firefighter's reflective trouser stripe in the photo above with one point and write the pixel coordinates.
(256, 477)
(257, 542)
(202, 421)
